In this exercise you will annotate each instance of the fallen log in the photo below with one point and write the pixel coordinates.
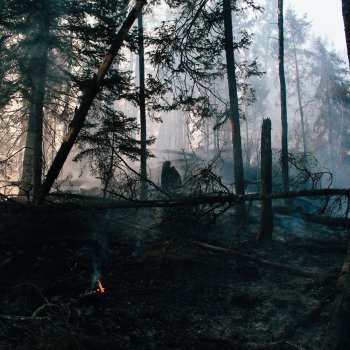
(338, 334)
(100, 203)
(281, 267)
(317, 219)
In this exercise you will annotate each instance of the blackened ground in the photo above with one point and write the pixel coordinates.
(162, 290)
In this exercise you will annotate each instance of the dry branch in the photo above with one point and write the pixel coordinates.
(263, 262)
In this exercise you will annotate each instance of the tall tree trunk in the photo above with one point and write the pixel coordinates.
(234, 109)
(86, 101)
(32, 160)
(346, 18)
(301, 109)
(284, 120)
(142, 109)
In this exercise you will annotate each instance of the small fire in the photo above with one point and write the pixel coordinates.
(100, 288)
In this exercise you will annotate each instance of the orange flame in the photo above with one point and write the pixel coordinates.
(100, 288)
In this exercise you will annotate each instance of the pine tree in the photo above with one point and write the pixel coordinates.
(190, 56)
(67, 39)
(297, 32)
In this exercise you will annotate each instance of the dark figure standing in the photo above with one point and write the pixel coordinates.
(170, 178)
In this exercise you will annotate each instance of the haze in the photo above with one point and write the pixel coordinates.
(326, 17)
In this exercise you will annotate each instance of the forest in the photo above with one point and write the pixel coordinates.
(173, 175)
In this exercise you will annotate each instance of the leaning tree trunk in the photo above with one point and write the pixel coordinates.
(284, 120)
(87, 99)
(346, 17)
(142, 105)
(32, 160)
(234, 108)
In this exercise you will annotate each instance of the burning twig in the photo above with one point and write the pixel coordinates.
(100, 288)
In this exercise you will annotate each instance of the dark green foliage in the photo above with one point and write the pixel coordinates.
(105, 144)
(79, 34)
(189, 56)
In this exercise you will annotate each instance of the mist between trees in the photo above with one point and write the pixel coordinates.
(190, 83)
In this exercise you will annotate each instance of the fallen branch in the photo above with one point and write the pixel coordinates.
(23, 318)
(317, 219)
(263, 262)
(6, 261)
(34, 316)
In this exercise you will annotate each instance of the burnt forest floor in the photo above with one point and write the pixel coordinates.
(163, 290)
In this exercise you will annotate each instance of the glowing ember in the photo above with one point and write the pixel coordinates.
(100, 288)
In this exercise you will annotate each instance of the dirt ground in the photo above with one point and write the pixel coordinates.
(163, 290)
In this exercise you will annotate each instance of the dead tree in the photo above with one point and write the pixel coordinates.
(266, 223)
(87, 99)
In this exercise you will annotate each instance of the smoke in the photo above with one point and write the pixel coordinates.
(96, 272)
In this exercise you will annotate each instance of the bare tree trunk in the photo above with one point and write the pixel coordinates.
(87, 100)
(284, 120)
(266, 222)
(142, 109)
(346, 18)
(234, 108)
(32, 160)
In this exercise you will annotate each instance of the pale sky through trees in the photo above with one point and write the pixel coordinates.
(326, 17)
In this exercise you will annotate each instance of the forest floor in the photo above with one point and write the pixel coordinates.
(163, 290)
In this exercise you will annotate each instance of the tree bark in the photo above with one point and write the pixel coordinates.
(284, 120)
(87, 100)
(142, 109)
(234, 108)
(32, 160)
(266, 220)
(346, 18)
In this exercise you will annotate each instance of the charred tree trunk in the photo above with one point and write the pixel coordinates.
(142, 109)
(346, 18)
(284, 120)
(234, 108)
(87, 100)
(266, 221)
(32, 160)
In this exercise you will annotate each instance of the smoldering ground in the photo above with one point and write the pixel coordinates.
(161, 289)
